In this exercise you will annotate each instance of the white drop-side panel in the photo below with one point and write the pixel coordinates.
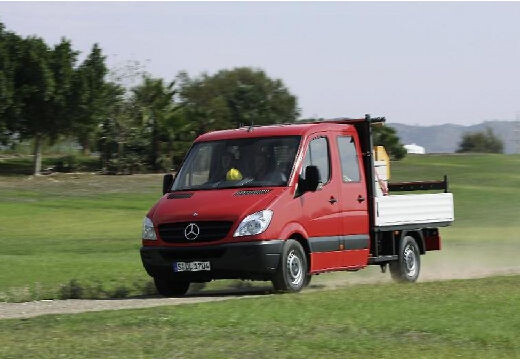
(414, 209)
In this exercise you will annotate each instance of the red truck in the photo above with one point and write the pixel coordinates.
(285, 202)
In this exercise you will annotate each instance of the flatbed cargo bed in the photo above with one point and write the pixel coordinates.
(414, 210)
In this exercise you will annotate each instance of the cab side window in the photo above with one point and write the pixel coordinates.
(318, 155)
(349, 159)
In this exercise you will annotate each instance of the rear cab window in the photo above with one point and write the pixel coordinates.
(348, 158)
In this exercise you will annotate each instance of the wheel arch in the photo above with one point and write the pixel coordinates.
(417, 234)
(296, 231)
(291, 229)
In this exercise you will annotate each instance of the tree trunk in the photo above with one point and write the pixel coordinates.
(122, 167)
(85, 149)
(37, 154)
(85, 145)
(155, 146)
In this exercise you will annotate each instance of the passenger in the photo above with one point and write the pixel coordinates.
(228, 171)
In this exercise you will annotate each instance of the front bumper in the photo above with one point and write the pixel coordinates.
(255, 260)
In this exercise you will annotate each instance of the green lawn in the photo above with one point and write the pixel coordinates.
(86, 227)
(63, 227)
(451, 319)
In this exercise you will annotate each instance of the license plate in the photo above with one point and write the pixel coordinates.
(191, 266)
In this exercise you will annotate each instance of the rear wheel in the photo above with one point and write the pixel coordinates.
(169, 288)
(408, 266)
(291, 275)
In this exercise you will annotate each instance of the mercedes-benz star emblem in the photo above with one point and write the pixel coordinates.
(192, 231)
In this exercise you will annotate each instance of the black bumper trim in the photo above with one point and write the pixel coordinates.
(324, 243)
(333, 243)
(355, 242)
(256, 260)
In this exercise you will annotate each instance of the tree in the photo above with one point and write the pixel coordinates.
(386, 136)
(5, 79)
(33, 89)
(231, 98)
(42, 84)
(115, 126)
(139, 132)
(481, 142)
(88, 104)
(9, 43)
(153, 107)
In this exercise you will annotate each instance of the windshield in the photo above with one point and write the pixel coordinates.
(232, 163)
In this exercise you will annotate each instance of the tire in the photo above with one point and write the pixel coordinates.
(408, 266)
(169, 288)
(291, 275)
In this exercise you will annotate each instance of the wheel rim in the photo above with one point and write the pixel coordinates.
(294, 268)
(410, 260)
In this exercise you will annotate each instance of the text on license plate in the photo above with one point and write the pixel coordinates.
(191, 266)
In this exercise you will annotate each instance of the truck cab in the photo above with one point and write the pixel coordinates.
(282, 203)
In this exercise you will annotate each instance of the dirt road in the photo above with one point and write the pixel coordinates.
(319, 283)
(73, 306)
(454, 262)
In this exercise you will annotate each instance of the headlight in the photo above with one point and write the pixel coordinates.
(254, 224)
(148, 230)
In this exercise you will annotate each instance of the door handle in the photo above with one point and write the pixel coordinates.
(333, 200)
(360, 198)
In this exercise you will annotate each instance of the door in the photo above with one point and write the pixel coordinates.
(320, 211)
(355, 238)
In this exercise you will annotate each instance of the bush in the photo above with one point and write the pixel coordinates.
(120, 292)
(72, 290)
(481, 142)
(66, 163)
(127, 164)
(164, 163)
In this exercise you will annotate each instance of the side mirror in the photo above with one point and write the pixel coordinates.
(312, 178)
(167, 183)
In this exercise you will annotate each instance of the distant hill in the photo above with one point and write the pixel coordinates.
(446, 138)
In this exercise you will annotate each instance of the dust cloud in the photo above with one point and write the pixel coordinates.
(455, 261)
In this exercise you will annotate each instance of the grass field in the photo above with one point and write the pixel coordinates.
(85, 227)
(451, 319)
(78, 235)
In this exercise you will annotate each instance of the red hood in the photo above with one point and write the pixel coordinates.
(222, 204)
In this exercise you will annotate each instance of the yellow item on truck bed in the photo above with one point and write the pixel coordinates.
(381, 155)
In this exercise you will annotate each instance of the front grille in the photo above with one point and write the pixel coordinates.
(208, 231)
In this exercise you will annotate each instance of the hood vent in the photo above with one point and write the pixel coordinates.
(180, 196)
(252, 192)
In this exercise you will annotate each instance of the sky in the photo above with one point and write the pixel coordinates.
(413, 62)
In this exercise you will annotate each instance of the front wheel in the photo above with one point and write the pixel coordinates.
(169, 288)
(408, 266)
(291, 275)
